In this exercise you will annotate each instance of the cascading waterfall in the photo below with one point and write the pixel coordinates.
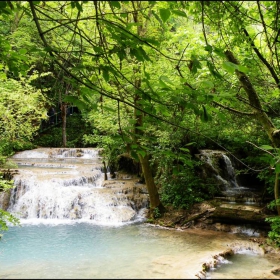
(230, 171)
(221, 167)
(55, 184)
(232, 196)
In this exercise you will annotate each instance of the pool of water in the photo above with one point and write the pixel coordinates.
(84, 250)
(239, 266)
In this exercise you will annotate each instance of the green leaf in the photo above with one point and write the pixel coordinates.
(207, 84)
(204, 116)
(134, 155)
(140, 128)
(22, 51)
(115, 4)
(78, 6)
(143, 53)
(137, 54)
(109, 109)
(157, 17)
(277, 168)
(208, 48)
(166, 79)
(194, 107)
(179, 13)
(229, 66)
(123, 15)
(152, 41)
(77, 102)
(191, 143)
(266, 147)
(105, 73)
(185, 150)
(97, 49)
(195, 64)
(242, 68)
(163, 84)
(141, 152)
(176, 170)
(164, 14)
(213, 71)
(219, 52)
(3, 76)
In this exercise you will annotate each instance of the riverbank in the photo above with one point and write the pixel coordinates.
(200, 218)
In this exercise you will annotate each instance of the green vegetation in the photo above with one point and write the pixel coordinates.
(153, 80)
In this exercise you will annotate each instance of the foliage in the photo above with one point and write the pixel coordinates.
(8, 147)
(177, 176)
(185, 188)
(76, 127)
(274, 234)
(156, 213)
(5, 184)
(6, 217)
(148, 76)
(111, 147)
(21, 110)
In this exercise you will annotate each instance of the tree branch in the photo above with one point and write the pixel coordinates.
(264, 61)
(233, 110)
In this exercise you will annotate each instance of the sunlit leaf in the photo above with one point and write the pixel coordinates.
(242, 68)
(229, 66)
(76, 101)
(266, 147)
(164, 14)
(179, 13)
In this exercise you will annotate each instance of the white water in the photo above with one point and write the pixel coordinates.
(68, 184)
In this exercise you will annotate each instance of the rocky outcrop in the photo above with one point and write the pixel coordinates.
(219, 216)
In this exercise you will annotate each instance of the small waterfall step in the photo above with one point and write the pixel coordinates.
(68, 184)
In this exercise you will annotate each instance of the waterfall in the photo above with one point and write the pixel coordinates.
(55, 184)
(220, 167)
(230, 171)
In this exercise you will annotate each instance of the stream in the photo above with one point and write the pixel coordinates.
(75, 225)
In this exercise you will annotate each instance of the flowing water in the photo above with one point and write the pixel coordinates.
(75, 225)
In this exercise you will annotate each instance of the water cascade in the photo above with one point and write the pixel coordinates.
(218, 165)
(68, 184)
(77, 225)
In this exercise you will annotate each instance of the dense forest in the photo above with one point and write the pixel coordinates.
(151, 82)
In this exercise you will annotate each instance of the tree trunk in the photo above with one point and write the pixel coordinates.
(138, 116)
(151, 186)
(105, 171)
(260, 115)
(63, 116)
(276, 193)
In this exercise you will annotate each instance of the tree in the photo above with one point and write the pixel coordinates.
(166, 65)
